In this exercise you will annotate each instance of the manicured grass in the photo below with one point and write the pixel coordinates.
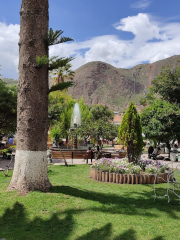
(79, 208)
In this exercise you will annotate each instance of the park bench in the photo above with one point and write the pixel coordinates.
(61, 154)
(55, 154)
(83, 155)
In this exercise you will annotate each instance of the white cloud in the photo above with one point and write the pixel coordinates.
(152, 41)
(141, 27)
(141, 4)
(9, 50)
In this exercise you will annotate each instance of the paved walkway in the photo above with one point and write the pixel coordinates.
(4, 163)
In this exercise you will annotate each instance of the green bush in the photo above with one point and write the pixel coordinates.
(130, 133)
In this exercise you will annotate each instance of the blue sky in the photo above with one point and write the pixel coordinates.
(121, 33)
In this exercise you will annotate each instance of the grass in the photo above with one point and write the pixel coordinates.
(78, 208)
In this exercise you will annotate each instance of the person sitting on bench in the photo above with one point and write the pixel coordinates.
(156, 152)
(150, 151)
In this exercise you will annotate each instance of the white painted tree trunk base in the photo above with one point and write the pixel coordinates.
(30, 172)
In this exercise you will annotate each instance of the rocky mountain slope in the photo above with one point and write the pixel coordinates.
(101, 83)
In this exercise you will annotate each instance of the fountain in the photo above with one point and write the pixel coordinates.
(75, 122)
(76, 116)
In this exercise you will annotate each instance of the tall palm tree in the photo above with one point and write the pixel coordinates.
(63, 73)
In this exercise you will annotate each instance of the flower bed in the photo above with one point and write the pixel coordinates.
(122, 172)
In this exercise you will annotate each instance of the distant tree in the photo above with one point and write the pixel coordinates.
(86, 115)
(102, 112)
(65, 120)
(63, 73)
(57, 103)
(55, 134)
(98, 123)
(111, 131)
(130, 133)
(167, 84)
(149, 97)
(161, 121)
(8, 109)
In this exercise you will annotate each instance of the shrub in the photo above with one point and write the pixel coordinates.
(130, 133)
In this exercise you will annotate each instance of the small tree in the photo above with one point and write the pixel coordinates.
(130, 133)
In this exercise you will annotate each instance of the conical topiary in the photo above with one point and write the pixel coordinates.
(130, 133)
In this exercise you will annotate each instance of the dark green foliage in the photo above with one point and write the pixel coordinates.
(54, 62)
(130, 133)
(8, 109)
(102, 112)
(54, 114)
(161, 121)
(149, 97)
(54, 37)
(167, 84)
(97, 124)
(61, 86)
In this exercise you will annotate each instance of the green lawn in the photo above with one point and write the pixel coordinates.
(79, 208)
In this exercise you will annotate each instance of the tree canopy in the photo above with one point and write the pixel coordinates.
(161, 121)
(97, 123)
(167, 84)
(101, 112)
(8, 109)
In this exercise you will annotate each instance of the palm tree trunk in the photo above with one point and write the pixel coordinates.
(30, 170)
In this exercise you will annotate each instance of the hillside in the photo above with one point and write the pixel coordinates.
(9, 80)
(101, 83)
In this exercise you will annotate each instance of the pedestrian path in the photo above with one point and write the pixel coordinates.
(4, 163)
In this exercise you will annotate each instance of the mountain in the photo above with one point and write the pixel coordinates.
(101, 83)
(9, 81)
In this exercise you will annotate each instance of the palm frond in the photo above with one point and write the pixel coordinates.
(58, 62)
(62, 40)
(54, 37)
(61, 86)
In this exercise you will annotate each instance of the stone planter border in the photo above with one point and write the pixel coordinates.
(127, 178)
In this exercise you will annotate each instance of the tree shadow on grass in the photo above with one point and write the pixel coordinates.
(15, 225)
(105, 233)
(123, 204)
